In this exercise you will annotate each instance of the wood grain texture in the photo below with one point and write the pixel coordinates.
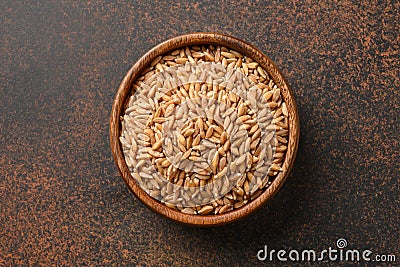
(190, 40)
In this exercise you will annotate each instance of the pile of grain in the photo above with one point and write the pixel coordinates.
(205, 130)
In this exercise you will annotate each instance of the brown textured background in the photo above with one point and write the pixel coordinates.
(62, 201)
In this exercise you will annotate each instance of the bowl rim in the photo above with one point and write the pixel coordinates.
(123, 92)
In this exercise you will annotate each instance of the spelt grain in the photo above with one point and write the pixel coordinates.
(230, 107)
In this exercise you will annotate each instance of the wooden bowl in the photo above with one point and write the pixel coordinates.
(124, 92)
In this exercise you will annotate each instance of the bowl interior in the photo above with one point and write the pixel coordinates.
(124, 92)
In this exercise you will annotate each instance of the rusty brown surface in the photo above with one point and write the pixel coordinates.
(62, 201)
